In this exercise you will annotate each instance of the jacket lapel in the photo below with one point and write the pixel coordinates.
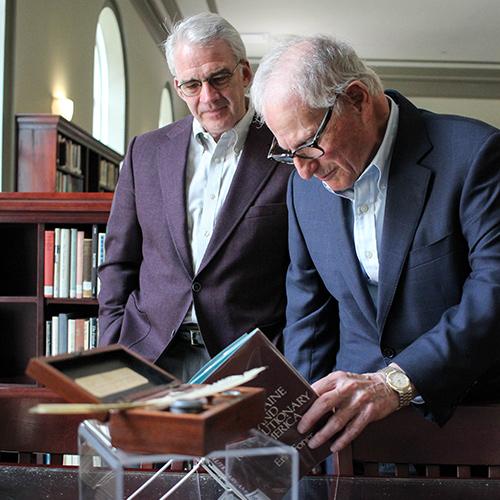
(407, 188)
(252, 173)
(172, 158)
(336, 211)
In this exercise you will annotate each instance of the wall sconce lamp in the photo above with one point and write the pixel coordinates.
(63, 106)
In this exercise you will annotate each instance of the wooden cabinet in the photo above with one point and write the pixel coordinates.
(55, 155)
(24, 217)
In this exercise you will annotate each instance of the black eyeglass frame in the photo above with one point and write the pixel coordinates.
(209, 80)
(288, 156)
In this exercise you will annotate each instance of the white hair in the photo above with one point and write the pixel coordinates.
(203, 29)
(314, 69)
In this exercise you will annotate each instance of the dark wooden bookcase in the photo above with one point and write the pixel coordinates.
(23, 308)
(52, 150)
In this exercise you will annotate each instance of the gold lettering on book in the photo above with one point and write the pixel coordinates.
(112, 382)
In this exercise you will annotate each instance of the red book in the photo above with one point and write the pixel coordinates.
(48, 264)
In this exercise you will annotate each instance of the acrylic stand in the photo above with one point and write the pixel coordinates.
(256, 468)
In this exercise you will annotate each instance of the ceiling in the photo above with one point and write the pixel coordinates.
(455, 40)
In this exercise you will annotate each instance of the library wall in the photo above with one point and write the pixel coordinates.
(54, 48)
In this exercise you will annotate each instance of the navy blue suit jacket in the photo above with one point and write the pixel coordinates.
(438, 311)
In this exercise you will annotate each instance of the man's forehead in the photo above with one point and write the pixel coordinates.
(291, 121)
(205, 58)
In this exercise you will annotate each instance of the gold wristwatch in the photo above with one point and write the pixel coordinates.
(398, 381)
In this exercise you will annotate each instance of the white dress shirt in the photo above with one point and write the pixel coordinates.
(368, 196)
(209, 172)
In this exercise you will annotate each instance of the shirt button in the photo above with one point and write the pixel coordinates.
(212, 196)
(368, 254)
(388, 352)
(206, 234)
(196, 287)
(363, 209)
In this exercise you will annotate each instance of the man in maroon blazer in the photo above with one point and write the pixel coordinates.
(196, 249)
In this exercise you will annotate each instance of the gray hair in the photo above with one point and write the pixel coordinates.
(315, 69)
(203, 29)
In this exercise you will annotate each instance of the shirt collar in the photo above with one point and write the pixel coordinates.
(382, 159)
(233, 138)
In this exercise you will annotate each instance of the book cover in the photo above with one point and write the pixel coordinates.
(288, 396)
(48, 264)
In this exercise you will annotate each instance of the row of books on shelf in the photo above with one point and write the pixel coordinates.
(71, 261)
(67, 333)
(67, 183)
(69, 155)
(108, 175)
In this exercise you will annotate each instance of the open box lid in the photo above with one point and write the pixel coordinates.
(102, 375)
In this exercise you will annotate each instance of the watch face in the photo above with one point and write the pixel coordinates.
(399, 380)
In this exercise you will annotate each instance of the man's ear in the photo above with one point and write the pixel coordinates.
(246, 72)
(357, 93)
(178, 90)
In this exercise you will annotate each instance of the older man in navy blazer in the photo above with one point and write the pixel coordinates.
(394, 219)
(196, 246)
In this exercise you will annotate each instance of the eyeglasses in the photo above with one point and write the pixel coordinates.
(218, 81)
(310, 150)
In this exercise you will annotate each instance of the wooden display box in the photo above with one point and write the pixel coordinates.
(114, 373)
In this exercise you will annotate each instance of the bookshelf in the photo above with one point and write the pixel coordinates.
(24, 217)
(55, 155)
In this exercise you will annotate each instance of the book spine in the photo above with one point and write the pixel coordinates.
(55, 336)
(79, 264)
(79, 334)
(48, 264)
(87, 269)
(72, 267)
(101, 256)
(48, 337)
(93, 335)
(71, 335)
(65, 263)
(57, 260)
(95, 249)
(63, 333)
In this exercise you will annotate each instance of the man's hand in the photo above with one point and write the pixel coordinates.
(354, 401)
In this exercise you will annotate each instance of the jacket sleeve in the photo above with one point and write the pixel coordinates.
(311, 333)
(119, 274)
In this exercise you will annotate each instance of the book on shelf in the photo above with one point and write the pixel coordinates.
(87, 269)
(48, 264)
(101, 256)
(288, 396)
(79, 264)
(95, 250)
(67, 332)
(57, 259)
(73, 263)
(65, 262)
(54, 344)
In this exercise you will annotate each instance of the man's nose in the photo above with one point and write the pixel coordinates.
(305, 168)
(208, 93)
